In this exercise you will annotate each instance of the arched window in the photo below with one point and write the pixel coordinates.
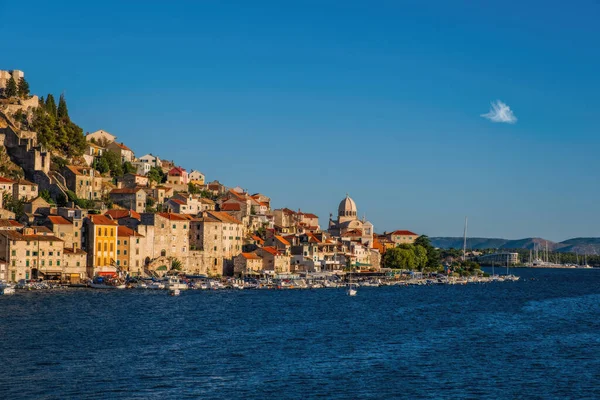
(163, 253)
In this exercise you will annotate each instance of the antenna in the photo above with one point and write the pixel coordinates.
(465, 241)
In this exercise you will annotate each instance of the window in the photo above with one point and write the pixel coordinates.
(43, 262)
(105, 231)
(125, 262)
(174, 226)
(58, 263)
(184, 226)
(99, 231)
(112, 231)
(118, 242)
(137, 241)
(112, 247)
(78, 263)
(13, 253)
(27, 263)
(50, 253)
(124, 252)
(99, 262)
(118, 252)
(105, 246)
(215, 248)
(76, 234)
(13, 263)
(125, 242)
(49, 263)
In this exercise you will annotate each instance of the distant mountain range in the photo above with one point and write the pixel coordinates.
(577, 245)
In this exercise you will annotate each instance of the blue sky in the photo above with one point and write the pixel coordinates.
(308, 101)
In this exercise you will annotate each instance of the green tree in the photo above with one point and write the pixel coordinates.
(128, 168)
(421, 257)
(45, 194)
(433, 255)
(400, 258)
(62, 112)
(110, 161)
(193, 189)
(11, 88)
(176, 266)
(50, 105)
(23, 88)
(156, 175)
(13, 205)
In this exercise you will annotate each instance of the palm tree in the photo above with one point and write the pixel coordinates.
(176, 265)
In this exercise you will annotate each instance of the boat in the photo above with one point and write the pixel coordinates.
(101, 282)
(174, 292)
(175, 283)
(351, 289)
(6, 288)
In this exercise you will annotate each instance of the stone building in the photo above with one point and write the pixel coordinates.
(168, 234)
(219, 236)
(401, 237)
(74, 269)
(30, 255)
(130, 251)
(247, 263)
(348, 221)
(85, 182)
(64, 229)
(274, 260)
(134, 199)
(124, 152)
(25, 190)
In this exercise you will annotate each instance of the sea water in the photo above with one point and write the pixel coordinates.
(535, 338)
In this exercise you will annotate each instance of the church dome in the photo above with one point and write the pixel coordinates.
(347, 207)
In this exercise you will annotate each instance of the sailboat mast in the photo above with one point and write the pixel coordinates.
(465, 241)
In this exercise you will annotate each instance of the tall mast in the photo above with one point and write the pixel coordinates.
(465, 241)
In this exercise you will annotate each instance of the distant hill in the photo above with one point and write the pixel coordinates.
(576, 245)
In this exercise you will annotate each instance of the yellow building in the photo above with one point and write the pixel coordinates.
(101, 245)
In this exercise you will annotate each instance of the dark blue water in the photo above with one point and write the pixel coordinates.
(529, 339)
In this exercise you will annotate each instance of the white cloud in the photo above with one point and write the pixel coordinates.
(500, 112)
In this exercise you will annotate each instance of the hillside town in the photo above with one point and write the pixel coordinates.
(71, 210)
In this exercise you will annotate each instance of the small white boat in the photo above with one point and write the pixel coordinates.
(155, 286)
(351, 291)
(175, 283)
(7, 290)
(174, 292)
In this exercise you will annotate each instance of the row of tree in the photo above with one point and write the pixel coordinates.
(54, 127)
(14, 89)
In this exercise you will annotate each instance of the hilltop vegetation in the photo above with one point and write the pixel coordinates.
(55, 129)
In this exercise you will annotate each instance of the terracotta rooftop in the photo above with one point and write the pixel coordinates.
(59, 220)
(251, 256)
(401, 232)
(125, 231)
(231, 207)
(271, 250)
(125, 191)
(101, 220)
(224, 217)
(5, 180)
(118, 214)
(282, 240)
(174, 217)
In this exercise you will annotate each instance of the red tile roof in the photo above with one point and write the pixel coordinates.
(177, 201)
(125, 191)
(224, 217)
(258, 239)
(5, 180)
(59, 220)
(251, 256)
(176, 171)
(125, 231)
(308, 215)
(118, 214)
(174, 217)
(282, 240)
(101, 220)
(231, 207)
(400, 232)
(271, 250)
(122, 146)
